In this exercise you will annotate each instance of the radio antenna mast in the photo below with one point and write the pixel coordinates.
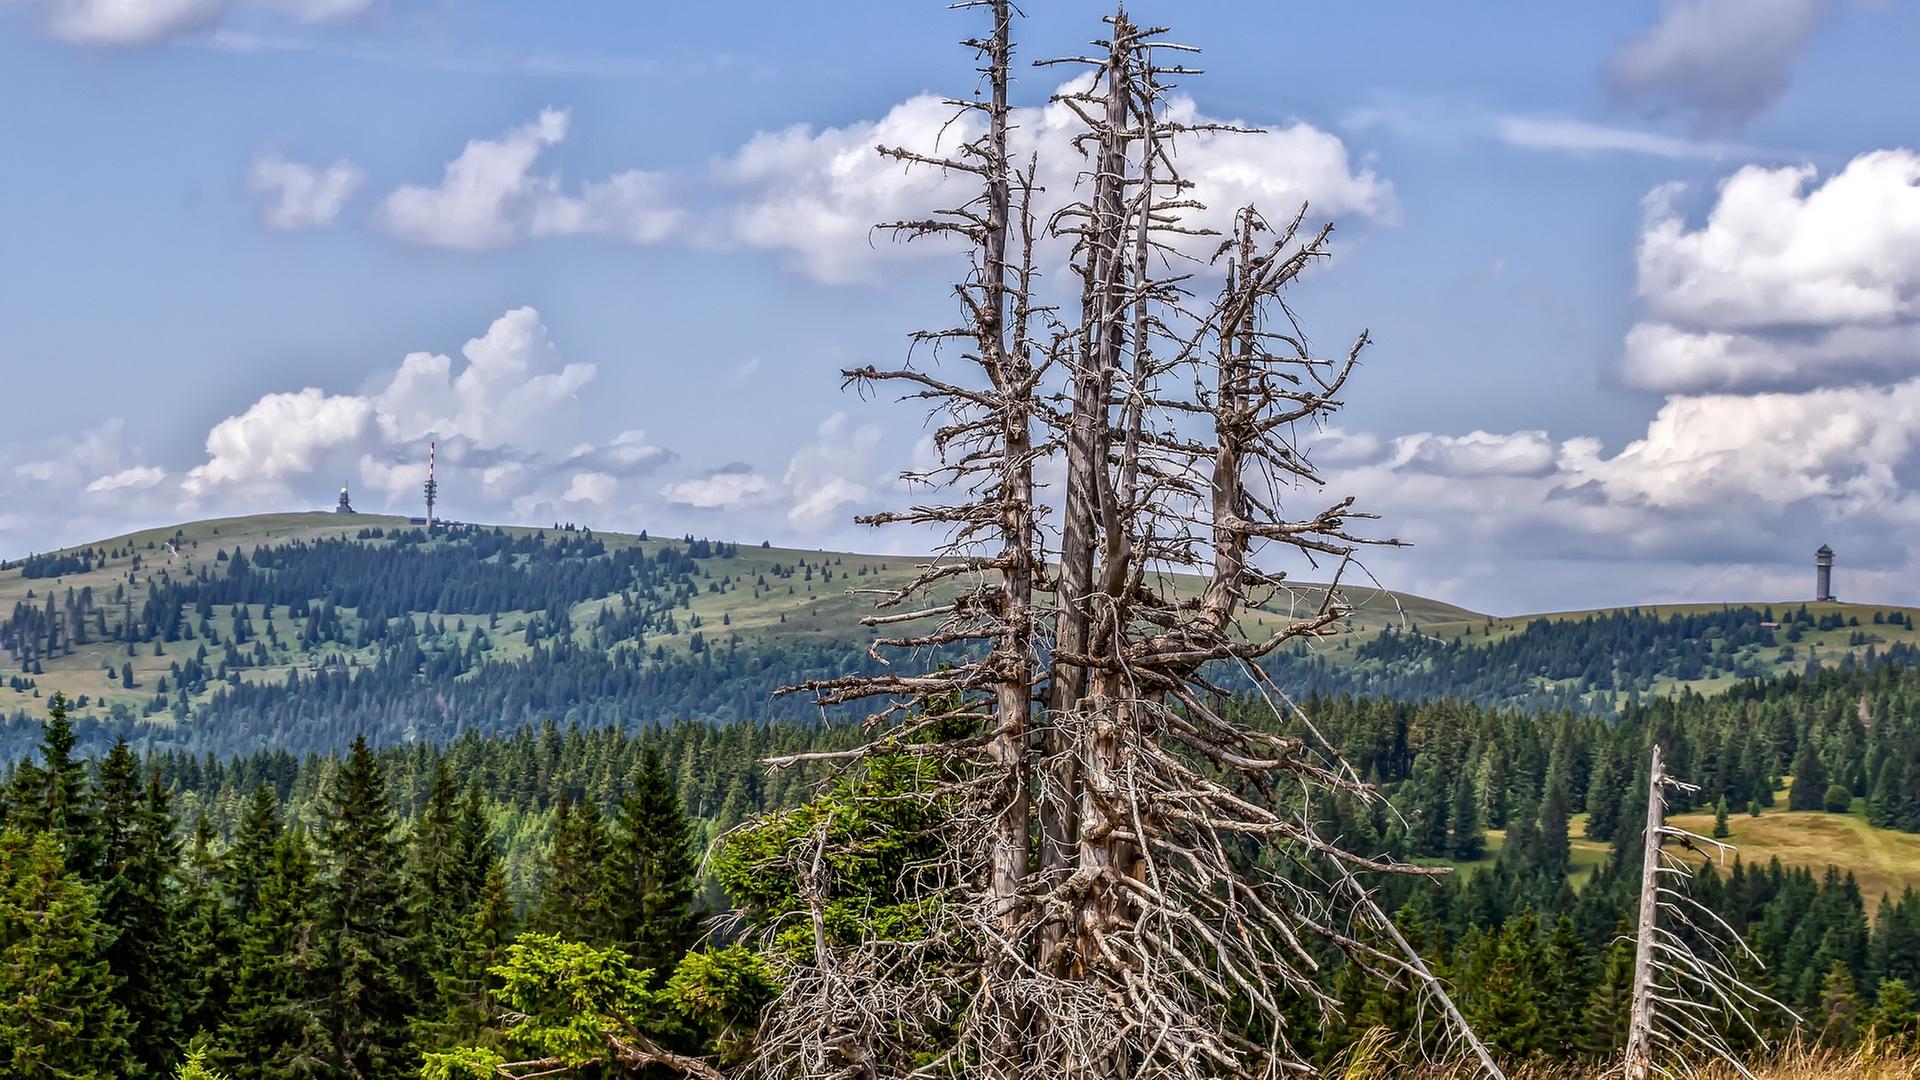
(433, 486)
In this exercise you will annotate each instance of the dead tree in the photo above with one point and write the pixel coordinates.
(1132, 885)
(1685, 991)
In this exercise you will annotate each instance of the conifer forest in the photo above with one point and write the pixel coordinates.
(1132, 771)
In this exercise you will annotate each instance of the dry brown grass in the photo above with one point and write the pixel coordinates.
(1373, 1058)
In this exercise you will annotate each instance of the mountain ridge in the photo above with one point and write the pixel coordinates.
(169, 632)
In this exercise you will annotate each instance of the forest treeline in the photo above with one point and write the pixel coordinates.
(1597, 663)
(1452, 769)
(181, 900)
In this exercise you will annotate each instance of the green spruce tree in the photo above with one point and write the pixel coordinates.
(435, 908)
(249, 858)
(1839, 1015)
(576, 898)
(1896, 1015)
(272, 1029)
(52, 796)
(58, 1015)
(1503, 976)
(1556, 848)
(1611, 1002)
(652, 871)
(362, 921)
(137, 855)
(206, 945)
(1469, 839)
(1809, 788)
(1568, 978)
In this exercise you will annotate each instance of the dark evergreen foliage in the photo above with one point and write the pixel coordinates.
(362, 925)
(357, 952)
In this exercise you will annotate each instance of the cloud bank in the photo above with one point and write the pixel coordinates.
(503, 411)
(1780, 332)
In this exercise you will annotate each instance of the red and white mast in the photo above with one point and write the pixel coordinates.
(433, 486)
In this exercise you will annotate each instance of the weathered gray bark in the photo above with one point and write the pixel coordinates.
(1010, 375)
(1639, 1054)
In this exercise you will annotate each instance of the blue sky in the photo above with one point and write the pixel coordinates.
(1643, 276)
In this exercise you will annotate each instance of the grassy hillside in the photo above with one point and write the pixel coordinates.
(822, 603)
(768, 599)
(1884, 861)
(1602, 660)
(1857, 632)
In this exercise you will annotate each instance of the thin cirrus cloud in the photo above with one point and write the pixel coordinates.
(1455, 122)
(490, 196)
(136, 478)
(1567, 135)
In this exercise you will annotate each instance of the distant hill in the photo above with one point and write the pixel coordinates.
(297, 630)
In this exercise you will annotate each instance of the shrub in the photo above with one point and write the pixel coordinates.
(1839, 800)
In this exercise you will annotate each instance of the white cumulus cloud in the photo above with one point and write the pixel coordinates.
(1844, 447)
(124, 23)
(1783, 334)
(591, 487)
(280, 436)
(489, 196)
(1477, 453)
(836, 470)
(626, 454)
(1721, 62)
(815, 195)
(500, 414)
(303, 196)
(507, 393)
(721, 489)
(1789, 284)
(127, 22)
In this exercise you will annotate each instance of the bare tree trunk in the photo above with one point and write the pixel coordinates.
(1686, 993)
(1079, 766)
(1639, 1056)
(1013, 702)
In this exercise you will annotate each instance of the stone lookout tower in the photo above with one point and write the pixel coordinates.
(346, 502)
(1823, 573)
